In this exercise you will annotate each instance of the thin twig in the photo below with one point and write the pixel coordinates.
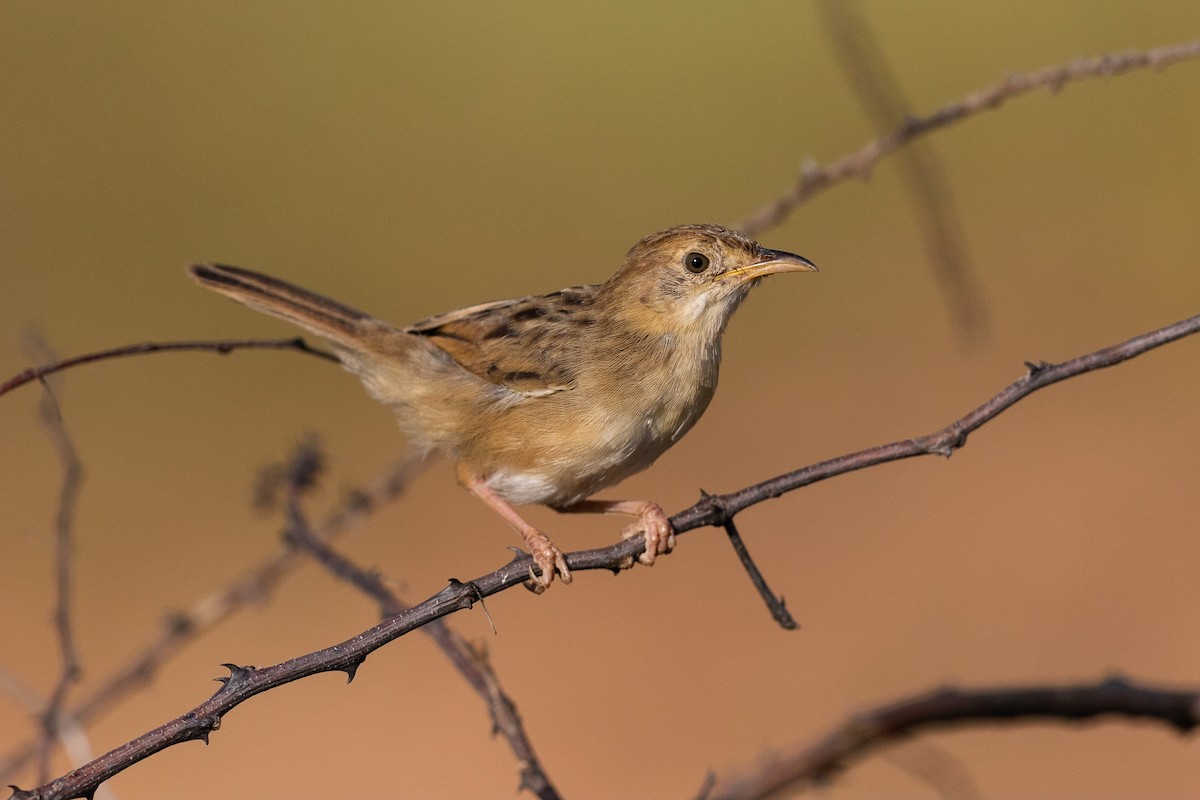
(944, 708)
(471, 662)
(861, 57)
(815, 179)
(774, 604)
(63, 562)
(53, 717)
(246, 682)
(145, 348)
(71, 735)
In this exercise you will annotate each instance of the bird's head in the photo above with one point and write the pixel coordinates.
(691, 278)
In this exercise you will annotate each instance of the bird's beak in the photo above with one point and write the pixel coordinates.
(771, 262)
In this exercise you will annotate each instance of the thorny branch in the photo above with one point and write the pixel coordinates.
(245, 682)
(815, 179)
(471, 662)
(949, 707)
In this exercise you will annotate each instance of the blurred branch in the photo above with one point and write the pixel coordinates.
(471, 662)
(948, 708)
(246, 682)
(874, 82)
(815, 179)
(208, 612)
(71, 735)
(145, 348)
(53, 718)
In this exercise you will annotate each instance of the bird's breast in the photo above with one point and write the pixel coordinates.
(563, 448)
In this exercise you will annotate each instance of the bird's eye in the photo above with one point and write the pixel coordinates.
(695, 262)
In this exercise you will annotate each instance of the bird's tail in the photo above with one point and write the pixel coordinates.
(329, 319)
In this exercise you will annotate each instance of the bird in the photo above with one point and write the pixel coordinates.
(549, 399)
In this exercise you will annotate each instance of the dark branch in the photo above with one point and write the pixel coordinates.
(774, 604)
(246, 682)
(946, 708)
(716, 509)
(145, 348)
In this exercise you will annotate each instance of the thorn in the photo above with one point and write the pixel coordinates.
(455, 583)
(237, 674)
(352, 669)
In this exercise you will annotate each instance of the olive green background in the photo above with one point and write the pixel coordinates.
(411, 158)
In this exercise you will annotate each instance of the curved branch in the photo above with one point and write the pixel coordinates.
(145, 348)
(949, 707)
(246, 682)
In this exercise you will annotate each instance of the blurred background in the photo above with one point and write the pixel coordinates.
(411, 158)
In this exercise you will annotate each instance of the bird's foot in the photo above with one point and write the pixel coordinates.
(548, 559)
(652, 523)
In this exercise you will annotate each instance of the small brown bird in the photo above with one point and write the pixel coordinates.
(550, 399)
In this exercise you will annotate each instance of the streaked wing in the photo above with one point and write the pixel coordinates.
(526, 345)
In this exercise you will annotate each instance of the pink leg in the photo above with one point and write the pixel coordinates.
(651, 522)
(548, 558)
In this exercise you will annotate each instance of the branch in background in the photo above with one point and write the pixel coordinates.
(246, 682)
(145, 348)
(471, 662)
(862, 60)
(53, 717)
(815, 179)
(210, 611)
(947, 708)
(71, 735)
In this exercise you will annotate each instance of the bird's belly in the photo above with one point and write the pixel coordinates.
(566, 459)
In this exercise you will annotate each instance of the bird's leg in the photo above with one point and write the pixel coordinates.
(651, 522)
(548, 558)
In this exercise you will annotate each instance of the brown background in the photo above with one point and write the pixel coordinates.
(410, 158)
